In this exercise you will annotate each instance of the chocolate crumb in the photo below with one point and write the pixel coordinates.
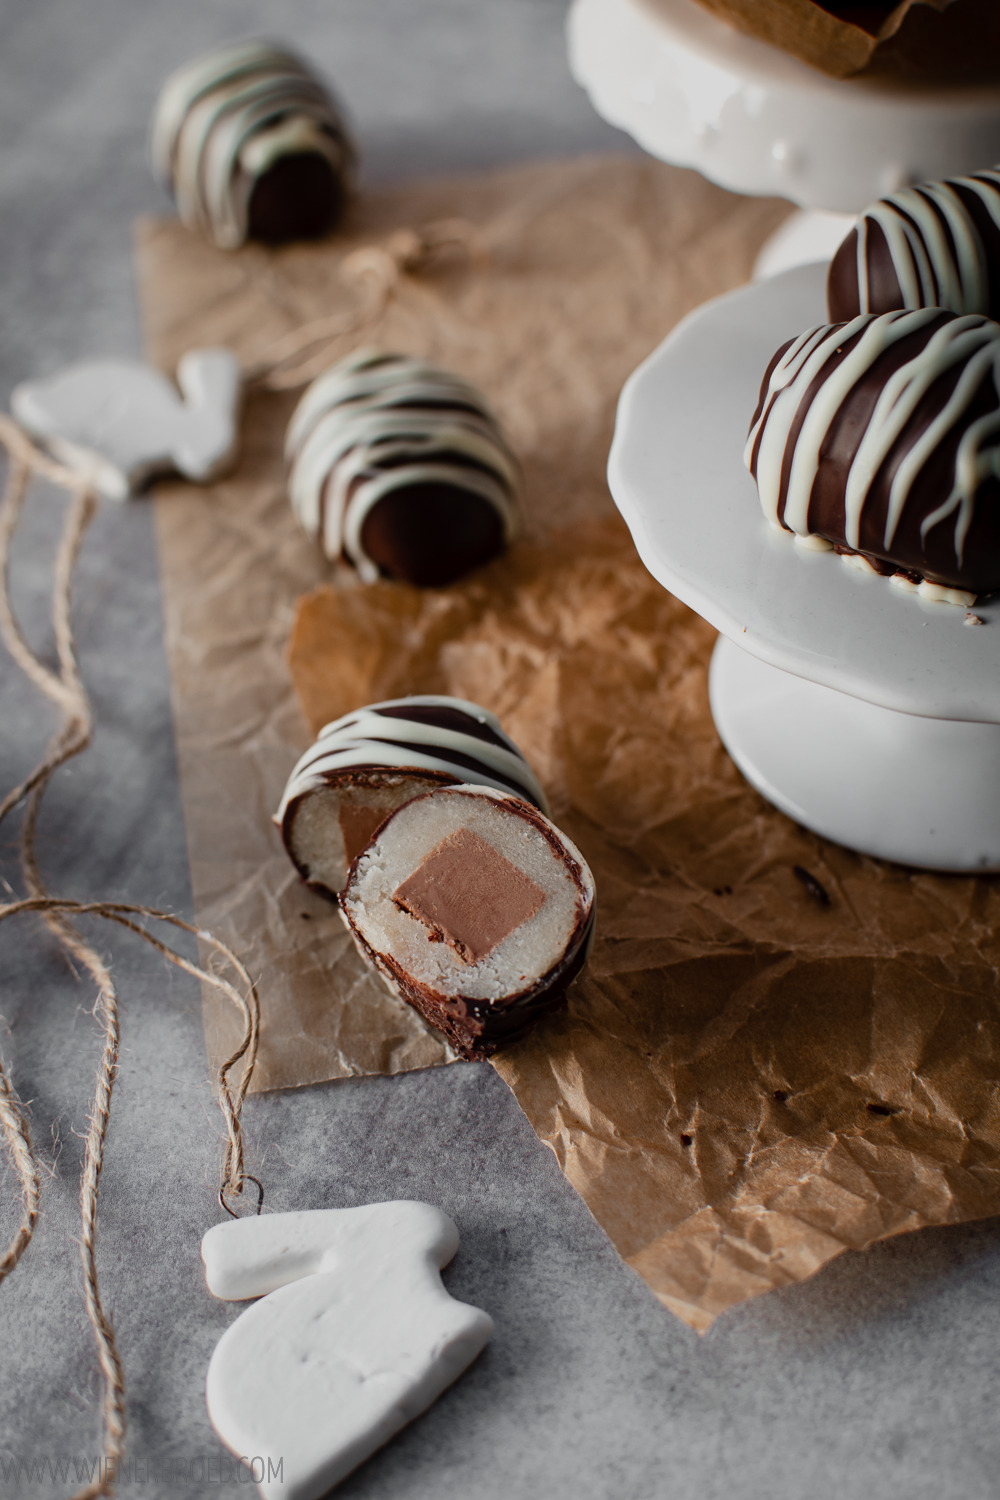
(811, 884)
(971, 619)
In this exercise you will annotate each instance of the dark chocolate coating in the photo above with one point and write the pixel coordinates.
(300, 197)
(935, 556)
(474, 1028)
(432, 534)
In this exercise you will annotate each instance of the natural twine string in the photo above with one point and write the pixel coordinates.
(65, 689)
(374, 274)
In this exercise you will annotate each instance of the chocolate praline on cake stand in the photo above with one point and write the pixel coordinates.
(859, 708)
(252, 146)
(881, 437)
(401, 469)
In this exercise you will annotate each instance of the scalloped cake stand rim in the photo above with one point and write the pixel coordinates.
(694, 91)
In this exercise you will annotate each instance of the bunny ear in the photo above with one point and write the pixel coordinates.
(209, 380)
(205, 438)
(252, 1256)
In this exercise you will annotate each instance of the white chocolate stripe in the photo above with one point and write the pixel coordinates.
(897, 402)
(367, 721)
(934, 274)
(388, 433)
(360, 739)
(972, 466)
(223, 211)
(366, 378)
(793, 377)
(181, 90)
(756, 455)
(357, 753)
(323, 476)
(291, 134)
(371, 726)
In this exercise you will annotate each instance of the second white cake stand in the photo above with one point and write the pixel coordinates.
(864, 712)
(693, 91)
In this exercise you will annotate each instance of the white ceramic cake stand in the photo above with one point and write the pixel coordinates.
(864, 712)
(693, 91)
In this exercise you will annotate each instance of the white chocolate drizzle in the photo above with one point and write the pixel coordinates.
(223, 119)
(934, 243)
(375, 423)
(934, 593)
(372, 738)
(820, 371)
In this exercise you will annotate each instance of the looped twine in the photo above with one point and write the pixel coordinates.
(64, 687)
(416, 252)
(374, 274)
(247, 1177)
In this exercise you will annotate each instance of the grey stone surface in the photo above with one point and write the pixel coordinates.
(878, 1377)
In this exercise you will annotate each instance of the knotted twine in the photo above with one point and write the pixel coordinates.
(374, 274)
(65, 689)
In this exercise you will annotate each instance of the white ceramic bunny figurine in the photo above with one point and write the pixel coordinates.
(121, 422)
(354, 1336)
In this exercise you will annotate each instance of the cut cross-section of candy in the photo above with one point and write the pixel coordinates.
(475, 909)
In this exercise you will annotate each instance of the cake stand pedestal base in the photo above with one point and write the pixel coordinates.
(916, 790)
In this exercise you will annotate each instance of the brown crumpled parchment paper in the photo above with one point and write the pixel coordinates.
(926, 41)
(590, 262)
(745, 1082)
